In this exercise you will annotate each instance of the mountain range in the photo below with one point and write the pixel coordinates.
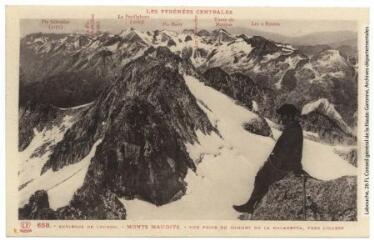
(127, 115)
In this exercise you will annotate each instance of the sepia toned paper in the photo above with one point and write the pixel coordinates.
(165, 121)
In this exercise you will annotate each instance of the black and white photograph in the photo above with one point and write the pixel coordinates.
(189, 117)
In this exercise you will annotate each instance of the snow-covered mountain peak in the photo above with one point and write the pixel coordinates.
(332, 55)
(323, 106)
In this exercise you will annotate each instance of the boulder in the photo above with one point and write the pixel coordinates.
(333, 200)
(259, 126)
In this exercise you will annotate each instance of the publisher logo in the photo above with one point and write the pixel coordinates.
(25, 227)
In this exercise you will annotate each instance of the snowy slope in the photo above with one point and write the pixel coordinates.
(227, 166)
(37, 153)
(61, 184)
(227, 52)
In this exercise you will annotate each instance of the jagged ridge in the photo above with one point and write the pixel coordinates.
(144, 119)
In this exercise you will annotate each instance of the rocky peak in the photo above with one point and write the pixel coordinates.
(188, 31)
(262, 46)
(221, 35)
(203, 33)
(144, 119)
(37, 208)
(133, 36)
(324, 107)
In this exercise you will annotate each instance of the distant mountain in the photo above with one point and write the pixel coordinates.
(312, 50)
(109, 119)
(253, 32)
(333, 39)
(351, 42)
(66, 62)
(83, 64)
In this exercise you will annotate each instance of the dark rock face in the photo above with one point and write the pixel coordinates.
(219, 80)
(258, 126)
(289, 80)
(171, 43)
(203, 32)
(71, 69)
(221, 35)
(200, 52)
(84, 206)
(37, 208)
(261, 46)
(188, 38)
(348, 155)
(141, 155)
(33, 115)
(285, 200)
(326, 128)
(311, 50)
(186, 53)
(92, 203)
(242, 88)
(78, 140)
(143, 119)
(63, 89)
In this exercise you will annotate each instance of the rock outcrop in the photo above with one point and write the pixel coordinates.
(288, 200)
(35, 116)
(37, 207)
(348, 153)
(144, 120)
(241, 88)
(82, 207)
(326, 128)
(258, 126)
(261, 46)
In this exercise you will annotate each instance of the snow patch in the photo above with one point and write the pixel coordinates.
(227, 165)
(323, 106)
(78, 107)
(338, 74)
(113, 47)
(228, 52)
(278, 85)
(60, 185)
(33, 158)
(255, 107)
(269, 57)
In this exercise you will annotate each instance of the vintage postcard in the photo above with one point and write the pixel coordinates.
(187, 121)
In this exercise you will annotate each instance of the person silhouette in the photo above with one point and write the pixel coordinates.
(285, 157)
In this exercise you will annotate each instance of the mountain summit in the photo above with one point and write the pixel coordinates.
(143, 119)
